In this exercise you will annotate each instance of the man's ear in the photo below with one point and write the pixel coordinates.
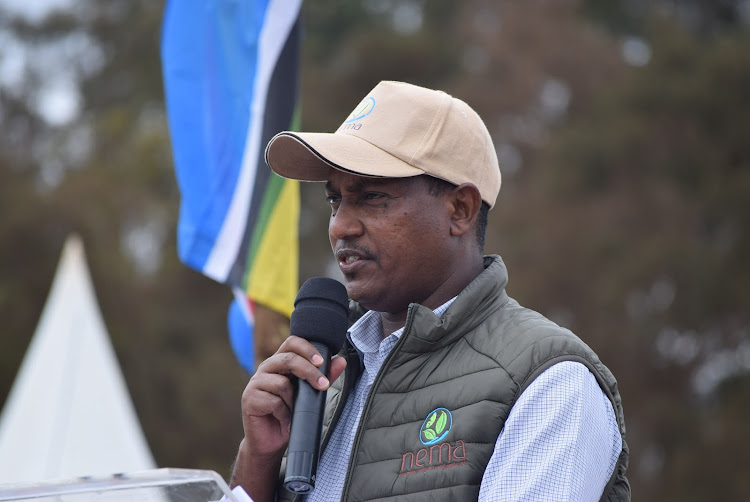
(466, 204)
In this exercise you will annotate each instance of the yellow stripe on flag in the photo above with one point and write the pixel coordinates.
(274, 277)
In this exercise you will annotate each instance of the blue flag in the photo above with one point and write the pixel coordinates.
(230, 72)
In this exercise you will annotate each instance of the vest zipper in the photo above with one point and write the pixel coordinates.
(350, 378)
(368, 401)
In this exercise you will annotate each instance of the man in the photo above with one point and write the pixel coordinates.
(446, 388)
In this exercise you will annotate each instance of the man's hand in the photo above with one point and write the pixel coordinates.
(267, 405)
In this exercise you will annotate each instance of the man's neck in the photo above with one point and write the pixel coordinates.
(392, 322)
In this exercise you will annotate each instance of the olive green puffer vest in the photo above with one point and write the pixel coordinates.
(442, 396)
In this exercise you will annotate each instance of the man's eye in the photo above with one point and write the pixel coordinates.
(372, 196)
(333, 199)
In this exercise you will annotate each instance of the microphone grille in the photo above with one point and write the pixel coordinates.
(321, 312)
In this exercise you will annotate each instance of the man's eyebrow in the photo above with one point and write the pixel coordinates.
(354, 186)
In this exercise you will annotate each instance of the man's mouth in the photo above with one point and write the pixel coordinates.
(349, 257)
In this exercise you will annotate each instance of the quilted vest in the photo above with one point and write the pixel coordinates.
(443, 394)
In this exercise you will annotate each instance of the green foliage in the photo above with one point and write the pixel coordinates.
(431, 420)
(651, 187)
(428, 432)
(440, 426)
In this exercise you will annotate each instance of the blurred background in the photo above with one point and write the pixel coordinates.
(623, 133)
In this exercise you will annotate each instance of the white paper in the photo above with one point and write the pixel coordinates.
(240, 495)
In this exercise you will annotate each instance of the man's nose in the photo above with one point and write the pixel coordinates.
(345, 223)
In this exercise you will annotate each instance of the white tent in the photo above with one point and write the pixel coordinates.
(69, 413)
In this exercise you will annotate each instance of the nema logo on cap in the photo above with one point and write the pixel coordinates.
(362, 110)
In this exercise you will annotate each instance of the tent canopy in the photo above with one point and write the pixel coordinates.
(69, 413)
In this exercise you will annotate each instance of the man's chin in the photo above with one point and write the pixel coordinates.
(352, 289)
(359, 292)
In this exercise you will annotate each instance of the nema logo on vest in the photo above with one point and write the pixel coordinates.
(436, 426)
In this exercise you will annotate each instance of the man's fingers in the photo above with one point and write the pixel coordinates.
(256, 397)
(297, 357)
(264, 404)
(338, 365)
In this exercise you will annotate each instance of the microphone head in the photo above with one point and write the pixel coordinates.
(321, 312)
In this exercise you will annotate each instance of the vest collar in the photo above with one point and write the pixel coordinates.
(433, 332)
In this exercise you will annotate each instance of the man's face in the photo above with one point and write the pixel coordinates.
(391, 239)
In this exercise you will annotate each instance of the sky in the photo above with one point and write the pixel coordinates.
(34, 10)
(57, 99)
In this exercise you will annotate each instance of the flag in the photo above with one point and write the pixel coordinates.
(230, 71)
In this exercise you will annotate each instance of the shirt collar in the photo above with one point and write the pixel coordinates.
(366, 335)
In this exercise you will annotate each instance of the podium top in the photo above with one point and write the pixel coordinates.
(156, 485)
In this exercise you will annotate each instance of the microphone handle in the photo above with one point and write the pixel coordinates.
(306, 430)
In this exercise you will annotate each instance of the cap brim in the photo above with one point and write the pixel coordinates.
(310, 157)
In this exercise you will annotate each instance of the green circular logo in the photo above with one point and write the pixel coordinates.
(362, 110)
(436, 426)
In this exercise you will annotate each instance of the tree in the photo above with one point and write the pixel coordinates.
(649, 189)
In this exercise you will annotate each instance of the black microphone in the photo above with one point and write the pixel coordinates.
(320, 316)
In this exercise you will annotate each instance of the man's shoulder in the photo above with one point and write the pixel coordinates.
(513, 323)
(524, 341)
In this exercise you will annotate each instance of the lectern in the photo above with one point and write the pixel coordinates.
(157, 485)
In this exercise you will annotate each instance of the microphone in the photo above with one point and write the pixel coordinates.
(320, 316)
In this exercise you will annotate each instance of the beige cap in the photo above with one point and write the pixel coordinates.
(398, 130)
